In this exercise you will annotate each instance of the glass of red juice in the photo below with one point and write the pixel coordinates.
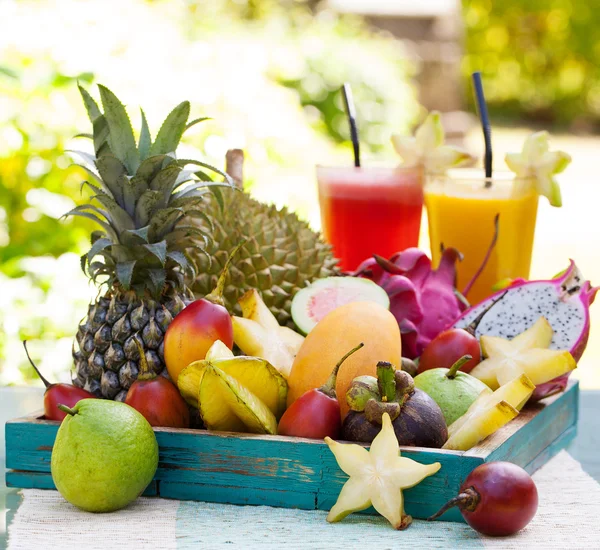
(370, 210)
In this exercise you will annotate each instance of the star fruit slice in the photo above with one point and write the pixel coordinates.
(427, 147)
(515, 394)
(483, 424)
(377, 477)
(259, 334)
(218, 351)
(254, 308)
(253, 373)
(227, 405)
(538, 162)
(503, 354)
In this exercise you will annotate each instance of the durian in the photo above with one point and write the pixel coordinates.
(281, 255)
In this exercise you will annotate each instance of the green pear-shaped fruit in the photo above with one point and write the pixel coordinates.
(452, 390)
(104, 456)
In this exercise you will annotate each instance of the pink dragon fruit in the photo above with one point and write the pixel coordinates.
(564, 301)
(423, 301)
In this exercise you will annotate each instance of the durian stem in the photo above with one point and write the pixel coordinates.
(234, 166)
(145, 372)
(329, 387)
(454, 368)
(216, 296)
(46, 383)
(467, 500)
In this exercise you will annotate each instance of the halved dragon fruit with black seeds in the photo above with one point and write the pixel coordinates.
(563, 301)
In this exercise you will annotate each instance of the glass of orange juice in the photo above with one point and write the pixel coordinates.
(461, 208)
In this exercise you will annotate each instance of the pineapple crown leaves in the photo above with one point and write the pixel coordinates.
(142, 195)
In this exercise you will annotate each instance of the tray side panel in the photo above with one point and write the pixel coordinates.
(237, 495)
(40, 480)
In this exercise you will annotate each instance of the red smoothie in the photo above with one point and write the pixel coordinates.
(366, 211)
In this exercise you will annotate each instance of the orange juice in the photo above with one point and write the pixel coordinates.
(461, 212)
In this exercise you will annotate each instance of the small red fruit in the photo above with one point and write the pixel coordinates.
(316, 413)
(157, 399)
(58, 394)
(496, 499)
(452, 344)
(198, 326)
(447, 347)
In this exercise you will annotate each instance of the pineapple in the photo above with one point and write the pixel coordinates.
(143, 200)
(281, 254)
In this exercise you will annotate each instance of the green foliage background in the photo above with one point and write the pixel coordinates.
(540, 58)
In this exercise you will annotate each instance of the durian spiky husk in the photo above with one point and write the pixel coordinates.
(281, 255)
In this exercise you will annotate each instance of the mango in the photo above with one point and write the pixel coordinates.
(340, 330)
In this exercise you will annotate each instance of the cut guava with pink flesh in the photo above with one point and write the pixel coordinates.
(312, 303)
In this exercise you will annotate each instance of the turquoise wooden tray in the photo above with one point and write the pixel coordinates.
(300, 473)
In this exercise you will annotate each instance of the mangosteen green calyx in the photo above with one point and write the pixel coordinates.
(417, 419)
(452, 390)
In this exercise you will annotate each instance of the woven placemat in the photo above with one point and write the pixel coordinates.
(568, 517)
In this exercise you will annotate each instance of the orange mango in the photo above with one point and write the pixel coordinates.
(337, 333)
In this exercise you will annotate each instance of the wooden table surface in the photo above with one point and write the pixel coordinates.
(15, 402)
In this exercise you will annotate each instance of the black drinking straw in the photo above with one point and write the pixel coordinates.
(485, 124)
(351, 113)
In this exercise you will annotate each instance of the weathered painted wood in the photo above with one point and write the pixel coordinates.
(300, 473)
(40, 480)
(281, 498)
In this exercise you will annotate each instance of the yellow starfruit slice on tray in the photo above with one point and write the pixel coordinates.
(255, 374)
(377, 477)
(259, 334)
(526, 353)
(427, 147)
(488, 413)
(227, 405)
(481, 426)
(218, 351)
(536, 161)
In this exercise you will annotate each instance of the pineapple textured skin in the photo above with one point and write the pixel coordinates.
(143, 198)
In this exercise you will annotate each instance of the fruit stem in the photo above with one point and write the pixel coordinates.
(46, 383)
(329, 387)
(145, 372)
(453, 371)
(486, 257)
(472, 328)
(216, 296)
(386, 381)
(66, 409)
(467, 500)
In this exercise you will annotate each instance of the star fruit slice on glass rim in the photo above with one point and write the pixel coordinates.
(427, 148)
(538, 162)
(377, 477)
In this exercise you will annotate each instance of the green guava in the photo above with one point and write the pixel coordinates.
(104, 456)
(452, 390)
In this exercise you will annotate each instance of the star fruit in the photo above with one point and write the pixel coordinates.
(377, 477)
(538, 162)
(526, 353)
(427, 147)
